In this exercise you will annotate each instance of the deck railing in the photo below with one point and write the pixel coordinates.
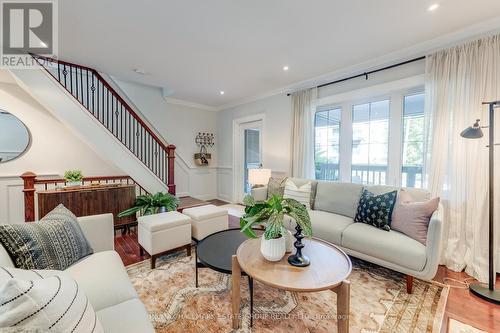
(370, 174)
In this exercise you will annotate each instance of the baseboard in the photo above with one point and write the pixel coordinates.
(225, 198)
(205, 196)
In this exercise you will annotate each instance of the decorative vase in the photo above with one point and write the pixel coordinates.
(298, 259)
(162, 209)
(288, 241)
(272, 249)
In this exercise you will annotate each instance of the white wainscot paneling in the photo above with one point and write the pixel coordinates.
(225, 183)
(203, 183)
(198, 182)
(181, 179)
(12, 198)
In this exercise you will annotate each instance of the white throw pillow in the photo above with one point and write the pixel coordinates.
(302, 194)
(49, 300)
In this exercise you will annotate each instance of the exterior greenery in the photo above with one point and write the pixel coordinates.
(73, 176)
(150, 204)
(271, 214)
(414, 132)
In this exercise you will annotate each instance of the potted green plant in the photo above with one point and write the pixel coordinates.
(152, 203)
(73, 178)
(271, 214)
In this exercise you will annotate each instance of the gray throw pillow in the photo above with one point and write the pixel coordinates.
(55, 242)
(276, 186)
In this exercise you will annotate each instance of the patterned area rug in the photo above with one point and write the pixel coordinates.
(379, 302)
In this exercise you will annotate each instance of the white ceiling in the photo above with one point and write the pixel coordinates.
(197, 48)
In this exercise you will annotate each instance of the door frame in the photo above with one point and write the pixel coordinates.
(238, 150)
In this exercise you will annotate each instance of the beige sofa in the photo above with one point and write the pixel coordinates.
(332, 216)
(104, 279)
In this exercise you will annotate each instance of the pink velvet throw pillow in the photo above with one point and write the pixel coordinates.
(412, 217)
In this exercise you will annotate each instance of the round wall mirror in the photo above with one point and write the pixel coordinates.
(15, 137)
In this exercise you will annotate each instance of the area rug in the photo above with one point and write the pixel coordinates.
(379, 302)
(455, 326)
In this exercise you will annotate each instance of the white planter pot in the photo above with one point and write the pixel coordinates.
(289, 240)
(273, 249)
(73, 184)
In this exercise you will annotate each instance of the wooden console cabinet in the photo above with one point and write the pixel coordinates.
(91, 200)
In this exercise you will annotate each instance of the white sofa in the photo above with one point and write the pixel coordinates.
(334, 206)
(104, 279)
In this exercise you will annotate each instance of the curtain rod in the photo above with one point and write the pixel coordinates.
(365, 74)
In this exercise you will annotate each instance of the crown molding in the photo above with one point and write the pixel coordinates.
(176, 101)
(421, 49)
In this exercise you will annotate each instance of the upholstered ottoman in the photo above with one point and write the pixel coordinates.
(206, 220)
(164, 232)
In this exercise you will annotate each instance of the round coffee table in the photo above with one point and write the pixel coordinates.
(215, 251)
(329, 268)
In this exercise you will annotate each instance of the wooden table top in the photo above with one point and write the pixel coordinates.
(329, 266)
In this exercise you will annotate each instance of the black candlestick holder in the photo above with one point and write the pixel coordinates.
(298, 259)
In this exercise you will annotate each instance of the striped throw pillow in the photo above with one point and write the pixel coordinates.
(55, 242)
(47, 300)
(302, 194)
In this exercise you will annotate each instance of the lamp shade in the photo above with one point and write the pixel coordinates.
(259, 176)
(472, 132)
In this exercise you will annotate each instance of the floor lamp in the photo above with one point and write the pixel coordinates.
(475, 132)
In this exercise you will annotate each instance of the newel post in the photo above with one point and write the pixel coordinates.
(29, 196)
(170, 170)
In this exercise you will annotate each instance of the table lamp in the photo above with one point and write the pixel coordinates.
(258, 177)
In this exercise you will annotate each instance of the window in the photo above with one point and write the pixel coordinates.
(373, 135)
(413, 140)
(326, 143)
(370, 142)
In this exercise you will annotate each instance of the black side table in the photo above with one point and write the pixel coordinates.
(215, 252)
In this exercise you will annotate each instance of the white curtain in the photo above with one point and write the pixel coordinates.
(458, 80)
(302, 139)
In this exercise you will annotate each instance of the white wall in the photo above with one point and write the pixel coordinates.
(178, 125)
(277, 124)
(53, 150)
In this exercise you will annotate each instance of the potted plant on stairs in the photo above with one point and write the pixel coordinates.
(152, 203)
(271, 214)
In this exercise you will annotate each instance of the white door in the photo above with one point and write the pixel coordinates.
(249, 155)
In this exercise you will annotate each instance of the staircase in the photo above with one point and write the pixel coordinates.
(110, 111)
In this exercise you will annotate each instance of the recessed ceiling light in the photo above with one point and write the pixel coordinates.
(222, 92)
(433, 7)
(285, 68)
(140, 71)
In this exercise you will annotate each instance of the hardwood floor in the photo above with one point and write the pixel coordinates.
(465, 307)
(461, 305)
(128, 248)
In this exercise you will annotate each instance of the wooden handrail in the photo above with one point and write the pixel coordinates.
(112, 90)
(115, 114)
(30, 182)
(84, 179)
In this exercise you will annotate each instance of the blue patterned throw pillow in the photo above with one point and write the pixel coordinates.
(55, 242)
(376, 210)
